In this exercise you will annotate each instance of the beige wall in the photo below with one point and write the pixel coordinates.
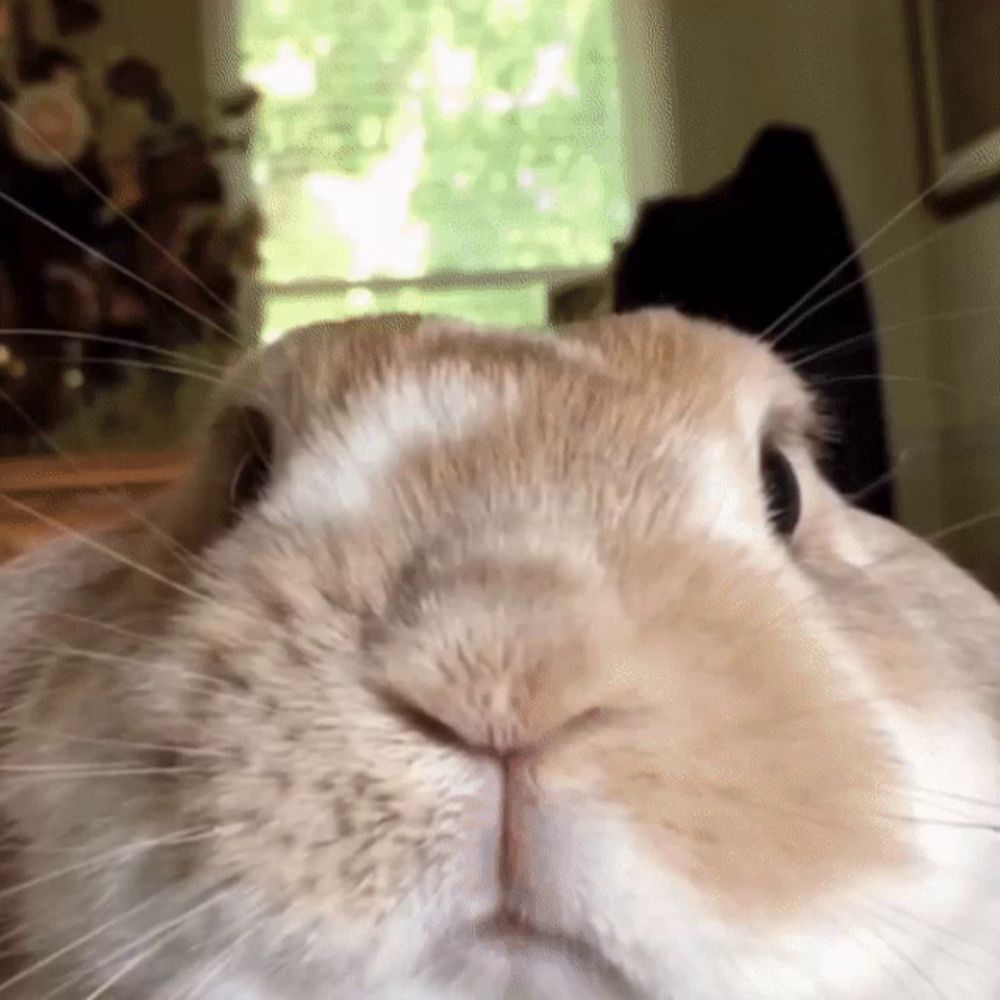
(965, 276)
(845, 70)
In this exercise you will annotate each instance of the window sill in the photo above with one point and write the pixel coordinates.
(80, 494)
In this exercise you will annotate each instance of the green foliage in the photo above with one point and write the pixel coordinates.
(409, 137)
(523, 305)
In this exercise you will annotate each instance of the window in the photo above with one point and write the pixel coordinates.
(449, 156)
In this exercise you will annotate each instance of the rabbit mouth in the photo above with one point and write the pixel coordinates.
(520, 939)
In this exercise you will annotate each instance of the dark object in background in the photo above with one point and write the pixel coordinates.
(92, 156)
(74, 16)
(748, 249)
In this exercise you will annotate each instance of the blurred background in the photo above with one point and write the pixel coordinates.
(181, 179)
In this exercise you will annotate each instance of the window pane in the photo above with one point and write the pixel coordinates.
(524, 305)
(406, 137)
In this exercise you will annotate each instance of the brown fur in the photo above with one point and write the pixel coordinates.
(548, 590)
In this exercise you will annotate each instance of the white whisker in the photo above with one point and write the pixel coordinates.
(861, 280)
(130, 509)
(119, 212)
(95, 338)
(992, 400)
(861, 338)
(115, 628)
(100, 547)
(128, 967)
(958, 526)
(92, 252)
(905, 959)
(217, 966)
(139, 365)
(62, 736)
(73, 772)
(904, 457)
(196, 680)
(79, 942)
(944, 931)
(881, 231)
(161, 934)
(181, 838)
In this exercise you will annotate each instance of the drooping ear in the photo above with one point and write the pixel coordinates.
(230, 471)
(38, 591)
(150, 543)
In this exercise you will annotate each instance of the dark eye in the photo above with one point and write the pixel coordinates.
(253, 470)
(781, 490)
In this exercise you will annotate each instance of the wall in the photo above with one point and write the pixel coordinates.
(646, 85)
(845, 70)
(965, 278)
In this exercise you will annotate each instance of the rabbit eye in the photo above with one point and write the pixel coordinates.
(781, 490)
(253, 472)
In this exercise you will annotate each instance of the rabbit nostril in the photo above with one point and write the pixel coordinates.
(506, 741)
(422, 722)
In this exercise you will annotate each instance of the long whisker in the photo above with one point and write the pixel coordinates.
(907, 960)
(63, 736)
(73, 772)
(138, 363)
(126, 272)
(191, 836)
(905, 456)
(125, 506)
(11, 935)
(97, 546)
(993, 400)
(128, 967)
(948, 824)
(68, 949)
(861, 280)
(115, 628)
(118, 211)
(969, 522)
(97, 338)
(943, 930)
(881, 231)
(216, 967)
(957, 797)
(843, 346)
(851, 932)
(195, 679)
(161, 933)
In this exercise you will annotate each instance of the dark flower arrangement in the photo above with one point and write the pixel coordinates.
(118, 248)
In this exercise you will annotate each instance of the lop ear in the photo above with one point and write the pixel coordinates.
(53, 584)
(45, 579)
(230, 471)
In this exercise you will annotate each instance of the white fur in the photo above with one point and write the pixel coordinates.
(337, 473)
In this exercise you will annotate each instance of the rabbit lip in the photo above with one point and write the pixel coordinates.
(514, 931)
(518, 935)
(508, 926)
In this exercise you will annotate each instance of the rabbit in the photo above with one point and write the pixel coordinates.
(475, 663)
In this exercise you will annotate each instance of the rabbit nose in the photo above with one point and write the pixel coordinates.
(499, 733)
(500, 668)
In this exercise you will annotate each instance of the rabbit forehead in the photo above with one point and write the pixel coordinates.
(701, 370)
(352, 403)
